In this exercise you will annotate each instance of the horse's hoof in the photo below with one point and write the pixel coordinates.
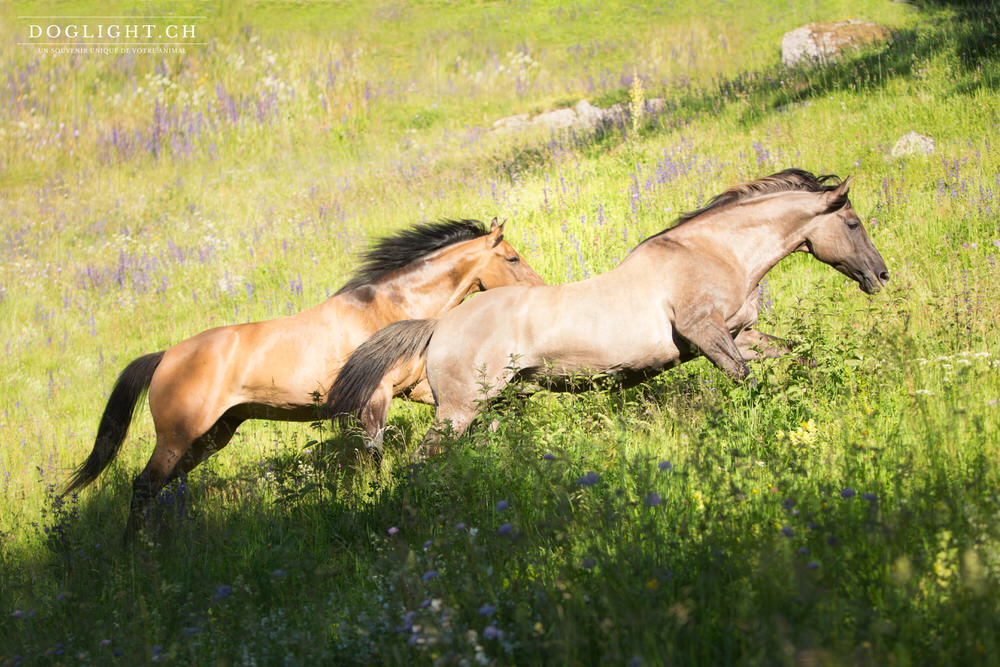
(424, 452)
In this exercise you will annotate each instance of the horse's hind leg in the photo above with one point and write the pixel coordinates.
(448, 423)
(215, 439)
(373, 418)
(176, 451)
(170, 449)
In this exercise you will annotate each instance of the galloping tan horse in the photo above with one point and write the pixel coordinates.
(203, 388)
(691, 289)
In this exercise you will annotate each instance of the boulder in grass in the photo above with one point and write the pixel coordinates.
(913, 143)
(825, 42)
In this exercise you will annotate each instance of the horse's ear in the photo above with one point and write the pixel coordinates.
(496, 232)
(837, 198)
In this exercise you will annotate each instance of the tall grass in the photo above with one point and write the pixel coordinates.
(845, 511)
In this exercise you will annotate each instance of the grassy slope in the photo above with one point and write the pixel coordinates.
(352, 122)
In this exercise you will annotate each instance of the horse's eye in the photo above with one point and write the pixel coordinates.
(853, 223)
(514, 260)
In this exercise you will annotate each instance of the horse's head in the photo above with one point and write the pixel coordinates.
(500, 264)
(837, 237)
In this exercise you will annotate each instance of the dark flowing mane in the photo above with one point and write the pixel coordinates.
(405, 247)
(784, 181)
(789, 180)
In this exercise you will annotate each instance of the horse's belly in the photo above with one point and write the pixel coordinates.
(621, 357)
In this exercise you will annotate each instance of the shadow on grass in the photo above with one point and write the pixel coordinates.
(527, 546)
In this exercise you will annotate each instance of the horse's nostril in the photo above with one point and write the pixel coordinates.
(884, 276)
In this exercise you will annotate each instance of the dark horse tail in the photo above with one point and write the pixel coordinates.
(131, 385)
(386, 350)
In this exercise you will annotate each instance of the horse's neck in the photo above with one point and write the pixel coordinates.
(430, 288)
(757, 235)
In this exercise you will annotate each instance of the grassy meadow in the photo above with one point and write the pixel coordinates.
(842, 512)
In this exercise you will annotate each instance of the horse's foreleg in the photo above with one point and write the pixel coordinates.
(712, 337)
(755, 345)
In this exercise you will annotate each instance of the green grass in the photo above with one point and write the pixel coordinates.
(145, 199)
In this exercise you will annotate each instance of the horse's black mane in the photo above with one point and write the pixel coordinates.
(394, 252)
(787, 180)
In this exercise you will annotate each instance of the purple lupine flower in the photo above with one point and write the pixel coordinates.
(430, 574)
(590, 479)
(665, 465)
(505, 529)
(653, 499)
(847, 493)
(502, 505)
(487, 610)
(549, 457)
(787, 531)
(589, 563)
(490, 632)
(870, 497)
(223, 591)
(393, 530)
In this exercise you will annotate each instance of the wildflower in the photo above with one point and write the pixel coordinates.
(847, 493)
(186, 631)
(460, 526)
(223, 591)
(505, 529)
(653, 499)
(787, 531)
(870, 497)
(589, 563)
(665, 465)
(487, 610)
(425, 603)
(812, 565)
(17, 613)
(104, 642)
(549, 457)
(832, 541)
(788, 503)
(428, 544)
(636, 661)
(490, 632)
(430, 574)
(502, 505)
(277, 573)
(803, 551)
(393, 530)
(590, 479)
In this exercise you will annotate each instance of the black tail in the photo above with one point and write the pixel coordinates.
(377, 356)
(131, 385)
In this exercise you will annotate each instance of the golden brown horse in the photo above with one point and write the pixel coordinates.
(691, 289)
(203, 388)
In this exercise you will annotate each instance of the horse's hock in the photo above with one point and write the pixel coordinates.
(825, 42)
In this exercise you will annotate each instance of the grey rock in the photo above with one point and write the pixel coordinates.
(913, 143)
(825, 42)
